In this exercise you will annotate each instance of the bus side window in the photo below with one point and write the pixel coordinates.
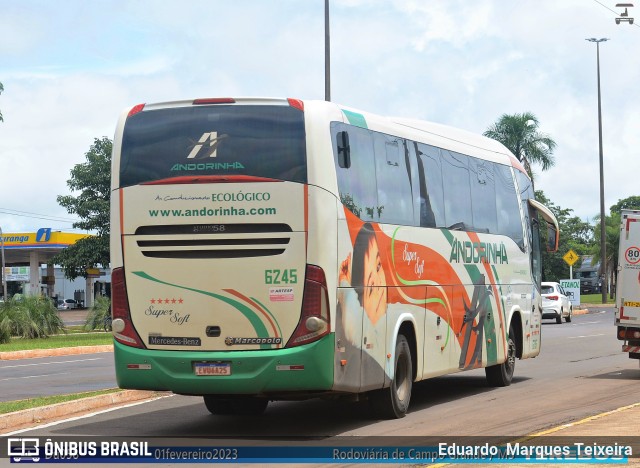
(507, 205)
(427, 217)
(455, 177)
(431, 193)
(393, 181)
(483, 196)
(355, 168)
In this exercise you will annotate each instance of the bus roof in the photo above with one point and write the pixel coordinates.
(443, 136)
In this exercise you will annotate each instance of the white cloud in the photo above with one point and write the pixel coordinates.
(70, 68)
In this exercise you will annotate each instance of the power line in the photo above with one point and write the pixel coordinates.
(606, 7)
(27, 214)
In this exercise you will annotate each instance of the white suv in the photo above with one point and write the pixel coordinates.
(555, 303)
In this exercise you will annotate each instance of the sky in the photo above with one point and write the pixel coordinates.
(69, 68)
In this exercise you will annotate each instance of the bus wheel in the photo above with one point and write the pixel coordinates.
(393, 402)
(501, 375)
(248, 406)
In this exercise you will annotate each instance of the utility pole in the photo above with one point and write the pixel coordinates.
(327, 54)
(603, 241)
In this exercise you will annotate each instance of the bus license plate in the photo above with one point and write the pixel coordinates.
(212, 368)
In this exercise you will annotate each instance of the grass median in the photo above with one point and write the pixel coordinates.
(595, 299)
(69, 340)
(19, 405)
(75, 336)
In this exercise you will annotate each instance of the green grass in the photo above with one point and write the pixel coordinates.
(595, 299)
(19, 405)
(58, 341)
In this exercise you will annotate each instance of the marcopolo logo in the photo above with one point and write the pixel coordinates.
(232, 340)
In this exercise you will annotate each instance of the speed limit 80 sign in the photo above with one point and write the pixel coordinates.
(632, 255)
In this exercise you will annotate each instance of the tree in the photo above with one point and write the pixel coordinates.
(630, 203)
(575, 234)
(612, 242)
(612, 238)
(92, 182)
(519, 133)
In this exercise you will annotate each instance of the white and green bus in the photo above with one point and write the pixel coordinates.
(274, 249)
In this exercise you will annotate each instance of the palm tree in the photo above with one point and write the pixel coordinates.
(519, 133)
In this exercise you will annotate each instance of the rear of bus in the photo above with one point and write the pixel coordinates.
(213, 293)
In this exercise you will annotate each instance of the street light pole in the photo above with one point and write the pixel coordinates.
(327, 54)
(603, 241)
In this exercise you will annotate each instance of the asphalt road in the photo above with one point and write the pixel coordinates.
(59, 375)
(580, 372)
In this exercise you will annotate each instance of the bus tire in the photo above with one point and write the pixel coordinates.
(246, 406)
(501, 375)
(393, 402)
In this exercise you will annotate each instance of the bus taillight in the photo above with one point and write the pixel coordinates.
(135, 109)
(123, 330)
(314, 320)
(209, 101)
(296, 103)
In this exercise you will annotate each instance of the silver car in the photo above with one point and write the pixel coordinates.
(555, 303)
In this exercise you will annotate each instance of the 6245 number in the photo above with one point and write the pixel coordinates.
(281, 276)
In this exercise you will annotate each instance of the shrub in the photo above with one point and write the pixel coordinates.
(98, 314)
(29, 317)
(5, 325)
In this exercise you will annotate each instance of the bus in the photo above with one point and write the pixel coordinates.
(281, 249)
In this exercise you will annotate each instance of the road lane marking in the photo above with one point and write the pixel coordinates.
(587, 336)
(84, 416)
(53, 362)
(557, 428)
(32, 376)
(581, 421)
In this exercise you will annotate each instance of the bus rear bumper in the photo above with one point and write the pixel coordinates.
(307, 368)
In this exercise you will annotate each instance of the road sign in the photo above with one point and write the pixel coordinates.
(570, 257)
(93, 273)
(572, 288)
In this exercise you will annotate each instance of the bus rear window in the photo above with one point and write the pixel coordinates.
(259, 141)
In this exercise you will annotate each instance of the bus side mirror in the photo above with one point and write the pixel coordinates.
(344, 150)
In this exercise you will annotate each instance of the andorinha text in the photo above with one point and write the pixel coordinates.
(231, 211)
(478, 252)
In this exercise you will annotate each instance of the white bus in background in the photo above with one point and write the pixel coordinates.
(268, 249)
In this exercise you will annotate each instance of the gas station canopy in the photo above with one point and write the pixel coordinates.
(34, 249)
(19, 248)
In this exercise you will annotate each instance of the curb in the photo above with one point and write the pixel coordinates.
(44, 414)
(38, 353)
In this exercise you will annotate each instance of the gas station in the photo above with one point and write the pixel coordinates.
(24, 253)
